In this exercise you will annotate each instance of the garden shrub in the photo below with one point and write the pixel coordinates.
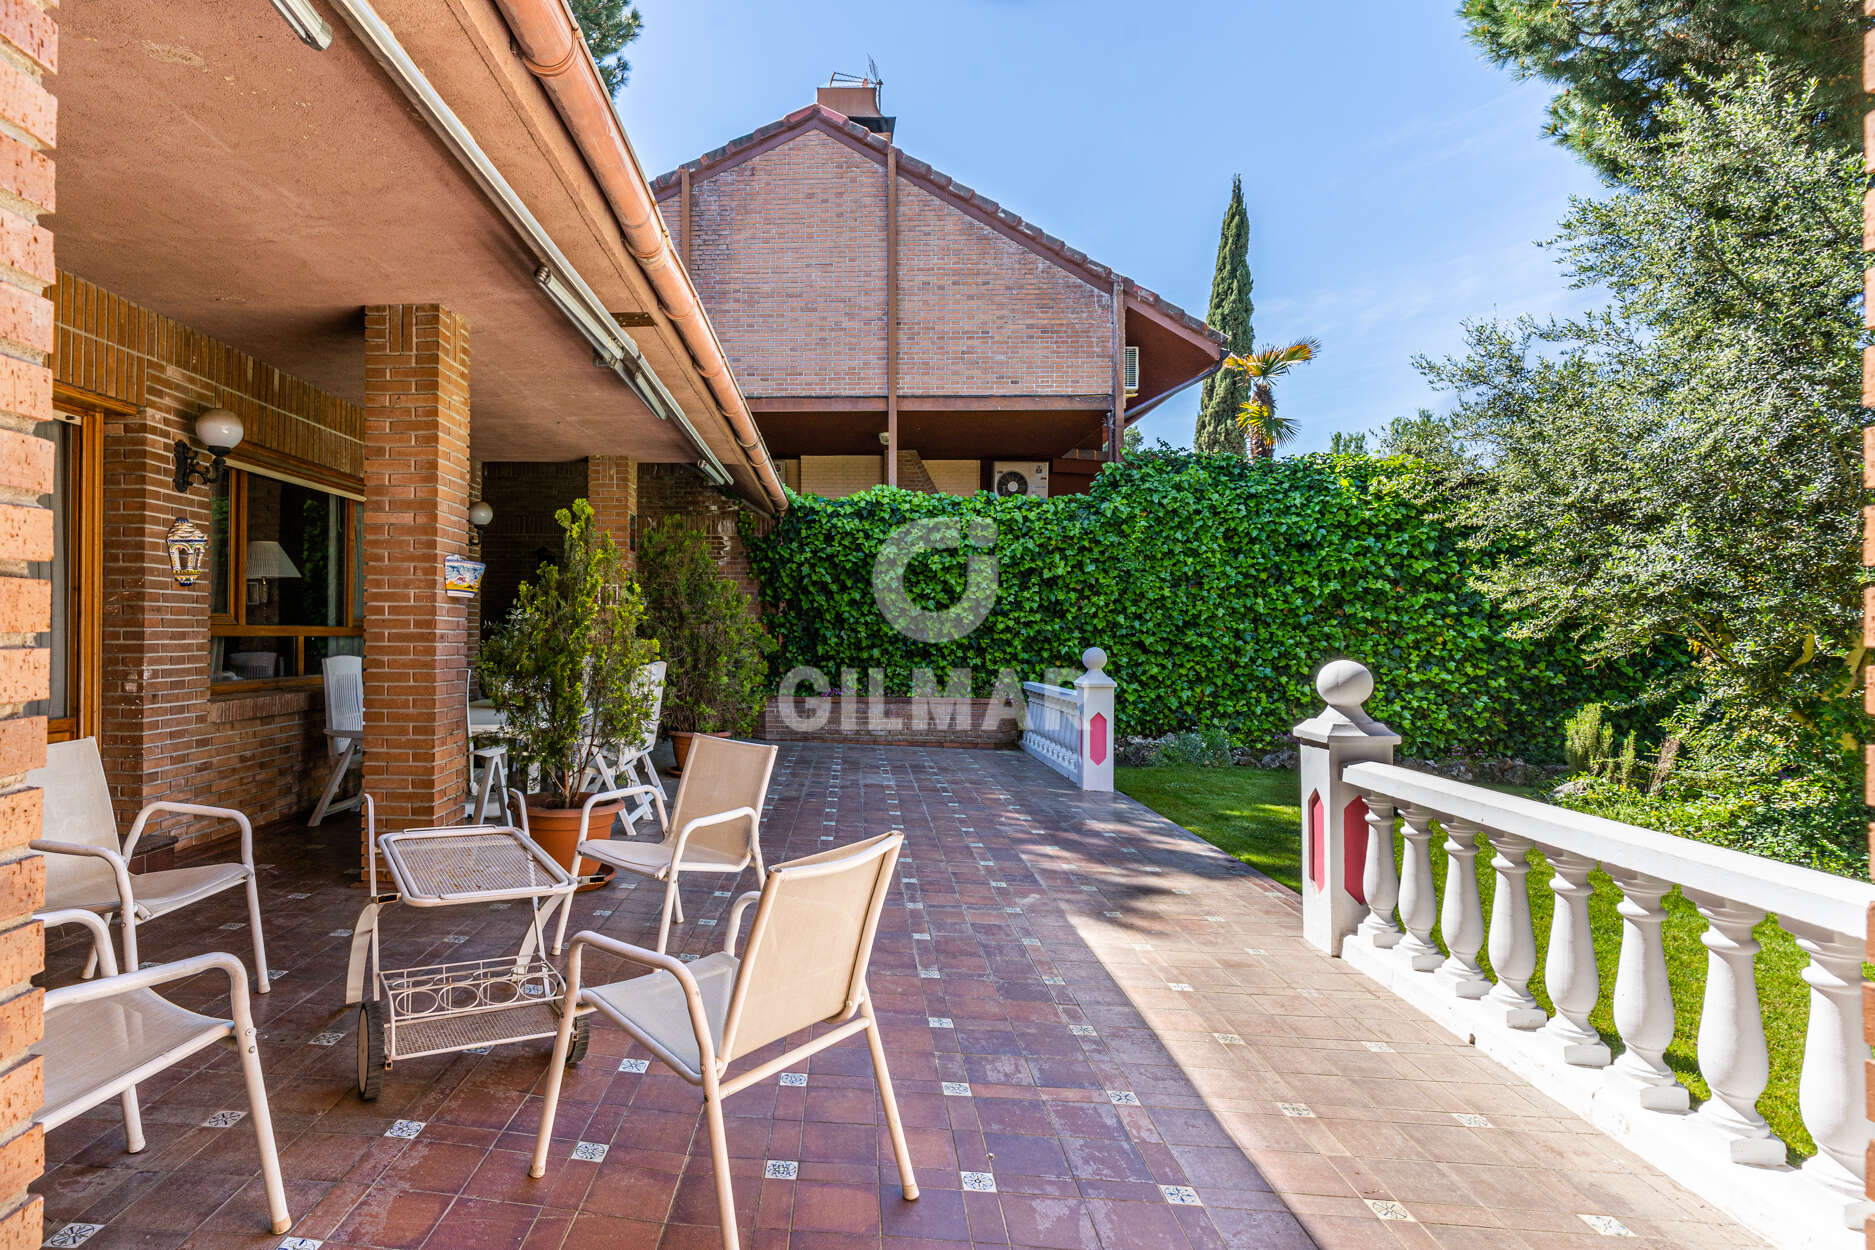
(1217, 587)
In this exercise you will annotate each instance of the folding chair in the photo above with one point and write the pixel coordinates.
(345, 729)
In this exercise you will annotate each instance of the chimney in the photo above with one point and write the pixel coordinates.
(856, 99)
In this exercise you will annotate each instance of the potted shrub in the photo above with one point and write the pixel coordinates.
(563, 670)
(712, 640)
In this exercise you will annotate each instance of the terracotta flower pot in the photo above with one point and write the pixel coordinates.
(556, 830)
(680, 746)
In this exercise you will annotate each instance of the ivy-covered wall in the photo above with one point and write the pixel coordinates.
(1217, 587)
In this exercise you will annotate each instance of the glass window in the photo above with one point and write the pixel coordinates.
(60, 706)
(286, 565)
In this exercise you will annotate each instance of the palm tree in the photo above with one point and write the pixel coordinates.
(1257, 416)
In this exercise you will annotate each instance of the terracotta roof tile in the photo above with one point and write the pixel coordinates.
(945, 185)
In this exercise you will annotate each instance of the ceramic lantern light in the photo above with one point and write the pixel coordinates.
(188, 551)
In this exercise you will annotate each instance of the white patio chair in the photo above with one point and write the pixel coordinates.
(345, 729)
(629, 763)
(804, 966)
(86, 869)
(714, 824)
(103, 1036)
(488, 760)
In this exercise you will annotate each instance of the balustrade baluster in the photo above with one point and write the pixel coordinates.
(1643, 1002)
(1732, 1053)
(1513, 941)
(1419, 907)
(1461, 912)
(1831, 1091)
(1569, 969)
(1380, 880)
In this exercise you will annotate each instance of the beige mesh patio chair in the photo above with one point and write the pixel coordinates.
(345, 729)
(85, 867)
(804, 966)
(103, 1036)
(713, 825)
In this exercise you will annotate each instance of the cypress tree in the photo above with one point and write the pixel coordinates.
(1230, 312)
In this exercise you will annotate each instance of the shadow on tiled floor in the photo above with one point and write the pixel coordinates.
(1104, 1034)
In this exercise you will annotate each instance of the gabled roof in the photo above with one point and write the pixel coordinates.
(819, 117)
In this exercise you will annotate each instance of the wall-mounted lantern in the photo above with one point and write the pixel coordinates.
(218, 430)
(481, 514)
(188, 551)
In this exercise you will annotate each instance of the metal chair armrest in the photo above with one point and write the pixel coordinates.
(702, 822)
(194, 809)
(735, 918)
(100, 933)
(120, 864)
(606, 796)
(160, 974)
(693, 995)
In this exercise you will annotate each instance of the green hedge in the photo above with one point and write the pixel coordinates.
(1217, 587)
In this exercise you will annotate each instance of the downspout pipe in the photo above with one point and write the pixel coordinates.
(1134, 414)
(554, 50)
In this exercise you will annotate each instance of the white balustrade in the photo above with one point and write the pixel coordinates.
(1070, 728)
(1725, 1151)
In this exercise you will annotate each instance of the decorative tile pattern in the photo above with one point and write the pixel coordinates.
(300, 1243)
(1388, 1210)
(978, 1182)
(1295, 1110)
(1607, 1225)
(1471, 1119)
(224, 1119)
(589, 1151)
(74, 1235)
(1021, 1075)
(793, 1080)
(325, 1039)
(406, 1129)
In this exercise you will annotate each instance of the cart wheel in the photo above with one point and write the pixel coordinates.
(582, 1038)
(370, 1050)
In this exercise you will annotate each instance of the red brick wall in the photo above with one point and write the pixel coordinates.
(416, 512)
(789, 257)
(29, 35)
(980, 314)
(667, 489)
(164, 735)
(612, 489)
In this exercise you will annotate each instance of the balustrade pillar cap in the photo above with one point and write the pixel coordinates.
(1344, 685)
(1095, 678)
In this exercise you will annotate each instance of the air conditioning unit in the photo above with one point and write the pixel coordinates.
(1020, 477)
(1132, 371)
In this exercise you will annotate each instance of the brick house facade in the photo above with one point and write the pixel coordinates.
(891, 325)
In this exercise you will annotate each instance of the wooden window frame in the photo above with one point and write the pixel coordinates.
(85, 411)
(233, 624)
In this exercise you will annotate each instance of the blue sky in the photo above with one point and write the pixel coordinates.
(1396, 182)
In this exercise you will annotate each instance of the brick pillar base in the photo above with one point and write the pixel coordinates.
(612, 490)
(29, 35)
(416, 512)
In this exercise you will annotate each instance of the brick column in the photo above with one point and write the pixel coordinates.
(416, 512)
(30, 37)
(612, 490)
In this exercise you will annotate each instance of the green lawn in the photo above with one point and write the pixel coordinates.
(1255, 815)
